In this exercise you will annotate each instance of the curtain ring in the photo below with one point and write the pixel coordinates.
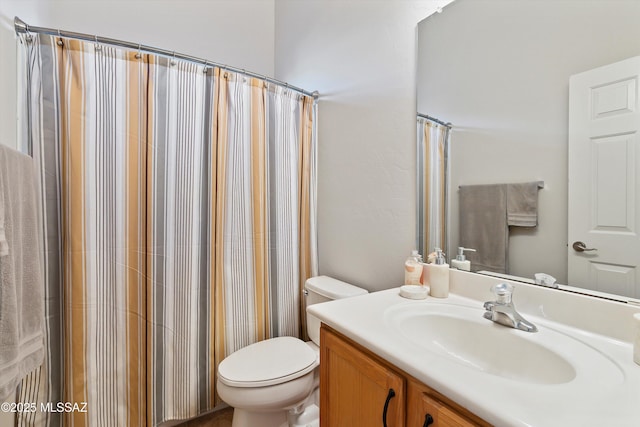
(28, 38)
(139, 55)
(173, 60)
(206, 64)
(98, 47)
(60, 42)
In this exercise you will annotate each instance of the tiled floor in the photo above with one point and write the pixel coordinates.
(220, 418)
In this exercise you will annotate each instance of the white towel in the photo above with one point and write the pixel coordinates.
(21, 272)
(4, 246)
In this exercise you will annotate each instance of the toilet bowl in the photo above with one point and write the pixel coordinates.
(273, 383)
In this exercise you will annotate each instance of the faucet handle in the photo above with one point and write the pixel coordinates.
(503, 292)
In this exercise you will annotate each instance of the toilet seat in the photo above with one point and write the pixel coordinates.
(268, 362)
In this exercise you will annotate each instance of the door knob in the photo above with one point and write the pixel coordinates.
(582, 247)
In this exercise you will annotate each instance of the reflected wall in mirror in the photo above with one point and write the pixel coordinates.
(499, 71)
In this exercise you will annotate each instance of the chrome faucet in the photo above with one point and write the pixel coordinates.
(503, 312)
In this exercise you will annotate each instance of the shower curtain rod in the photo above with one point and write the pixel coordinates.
(22, 27)
(433, 119)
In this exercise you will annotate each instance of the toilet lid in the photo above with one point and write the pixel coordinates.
(268, 362)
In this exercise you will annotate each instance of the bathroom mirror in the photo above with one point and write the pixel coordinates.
(499, 71)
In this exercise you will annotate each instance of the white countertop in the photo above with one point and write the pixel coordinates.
(499, 400)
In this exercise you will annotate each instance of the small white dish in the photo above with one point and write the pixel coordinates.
(414, 291)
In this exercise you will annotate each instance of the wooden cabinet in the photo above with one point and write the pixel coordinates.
(359, 389)
(427, 407)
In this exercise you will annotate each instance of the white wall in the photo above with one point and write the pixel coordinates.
(234, 32)
(360, 55)
(499, 71)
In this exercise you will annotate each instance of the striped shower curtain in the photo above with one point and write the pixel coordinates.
(180, 226)
(432, 153)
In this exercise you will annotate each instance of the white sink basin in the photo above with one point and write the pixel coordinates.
(460, 334)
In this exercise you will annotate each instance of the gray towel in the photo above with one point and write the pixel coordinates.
(522, 204)
(483, 225)
(486, 212)
(21, 272)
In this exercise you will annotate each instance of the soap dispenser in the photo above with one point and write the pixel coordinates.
(413, 269)
(439, 276)
(461, 262)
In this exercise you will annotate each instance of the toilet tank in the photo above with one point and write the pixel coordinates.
(321, 289)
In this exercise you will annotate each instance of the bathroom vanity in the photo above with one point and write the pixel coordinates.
(438, 362)
(362, 389)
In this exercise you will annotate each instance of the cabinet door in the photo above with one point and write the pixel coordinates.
(426, 410)
(356, 390)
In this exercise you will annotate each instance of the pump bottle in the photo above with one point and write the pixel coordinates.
(461, 262)
(413, 269)
(439, 276)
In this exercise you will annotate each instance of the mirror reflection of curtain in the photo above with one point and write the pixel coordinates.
(432, 156)
(179, 227)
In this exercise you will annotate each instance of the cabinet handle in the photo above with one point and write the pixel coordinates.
(428, 420)
(390, 396)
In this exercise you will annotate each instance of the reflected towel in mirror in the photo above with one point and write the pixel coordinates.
(486, 212)
(522, 204)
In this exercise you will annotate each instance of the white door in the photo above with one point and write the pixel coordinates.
(604, 179)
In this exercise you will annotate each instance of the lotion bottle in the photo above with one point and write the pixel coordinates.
(413, 269)
(461, 262)
(439, 276)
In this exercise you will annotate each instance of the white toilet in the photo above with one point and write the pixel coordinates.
(273, 383)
